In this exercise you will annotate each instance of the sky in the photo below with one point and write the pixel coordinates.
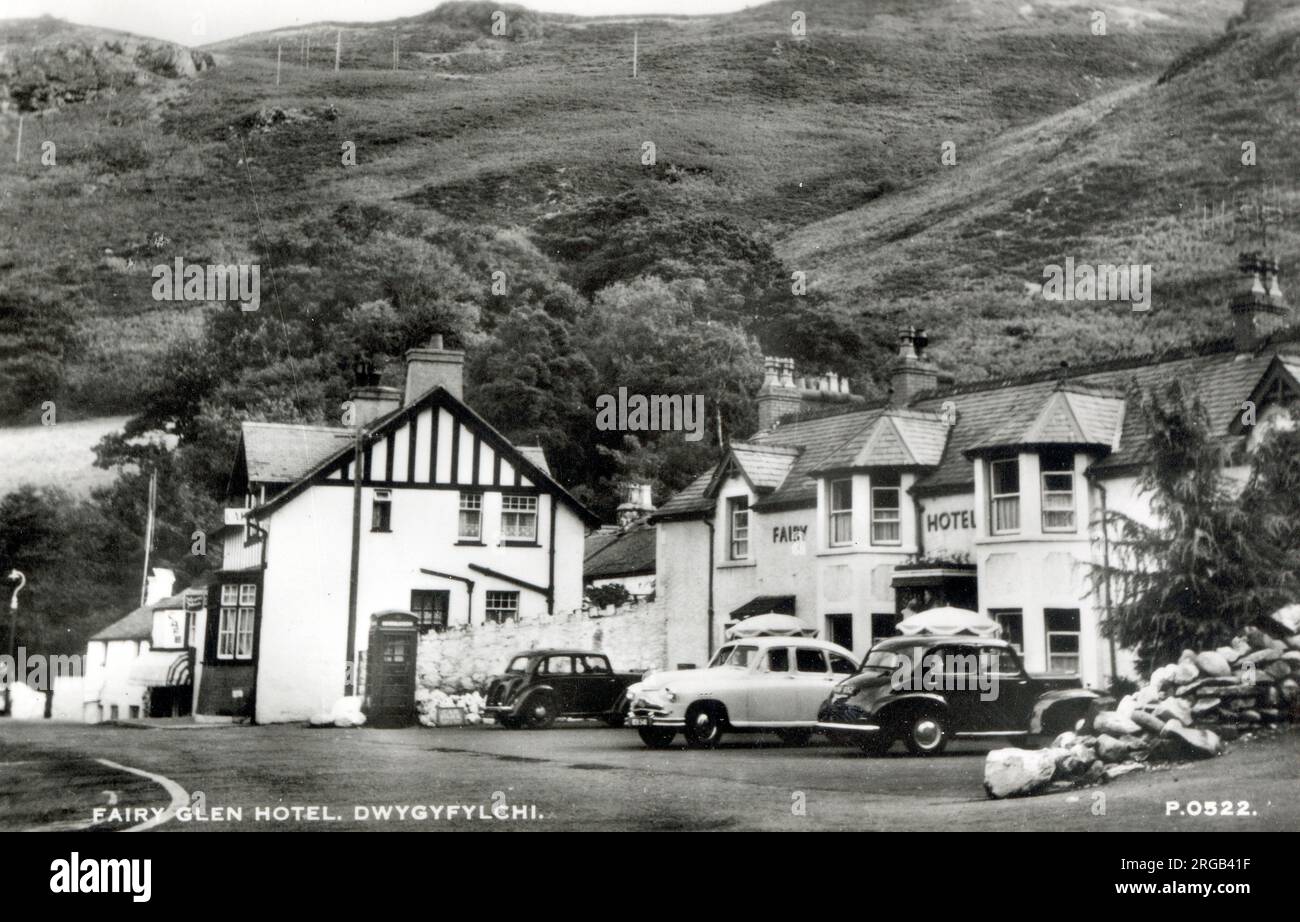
(197, 22)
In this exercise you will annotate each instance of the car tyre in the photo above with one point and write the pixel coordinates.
(703, 728)
(539, 712)
(657, 737)
(618, 717)
(795, 737)
(510, 723)
(926, 734)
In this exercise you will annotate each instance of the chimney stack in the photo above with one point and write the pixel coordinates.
(1259, 308)
(637, 505)
(911, 376)
(369, 400)
(433, 366)
(779, 395)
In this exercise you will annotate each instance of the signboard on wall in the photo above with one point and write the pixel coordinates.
(948, 526)
(169, 629)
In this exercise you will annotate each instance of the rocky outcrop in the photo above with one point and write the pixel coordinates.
(1187, 710)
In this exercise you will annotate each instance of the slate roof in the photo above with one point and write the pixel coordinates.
(629, 553)
(1049, 407)
(279, 453)
(138, 625)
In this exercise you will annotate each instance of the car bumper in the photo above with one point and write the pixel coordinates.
(497, 710)
(842, 717)
(850, 728)
(649, 720)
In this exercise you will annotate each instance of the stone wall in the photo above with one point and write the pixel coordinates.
(457, 661)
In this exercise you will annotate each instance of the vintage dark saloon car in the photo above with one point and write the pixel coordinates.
(541, 685)
(927, 690)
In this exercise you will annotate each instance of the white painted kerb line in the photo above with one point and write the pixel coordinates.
(177, 793)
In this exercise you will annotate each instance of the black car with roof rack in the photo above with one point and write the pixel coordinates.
(926, 690)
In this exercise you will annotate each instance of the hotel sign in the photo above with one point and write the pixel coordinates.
(948, 521)
(948, 525)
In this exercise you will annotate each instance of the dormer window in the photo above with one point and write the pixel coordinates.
(886, 508)
(841, 512)
(1004, 496)
(1058, 492)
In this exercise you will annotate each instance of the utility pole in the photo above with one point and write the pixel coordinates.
(13, 638)
(349, 683)
(634, 53)
(148, 535)
(338, 49)
(279, 50)
(394, 49)
(18, 152)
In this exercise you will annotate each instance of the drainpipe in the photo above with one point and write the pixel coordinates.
(1105, 561)
(709, 523)
(261, 612)
(550, 584)
(354, 565)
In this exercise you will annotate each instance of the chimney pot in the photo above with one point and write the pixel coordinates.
(434, 366)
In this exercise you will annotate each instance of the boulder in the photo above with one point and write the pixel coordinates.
(1186, 672)
(1016, 772)
(1148, 721)
(1255, 638)
(1292, 656)
(1066, 740)
(1203, 706)
(1147, 694)
(1259, 657)
(1213, 664)
(1289, 691)
(1249, 716)
(347, 712)
(1164, 675)
(1096, 772)
(1118, 771)
(1203, 686)
(1278, 669)
(1108, 722)
(1111, 750)
(1179, 709)
(1293, 641)
(1231, 654)
(1198, 743)
(1288, 617)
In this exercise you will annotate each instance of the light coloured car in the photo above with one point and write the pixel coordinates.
(757, 683)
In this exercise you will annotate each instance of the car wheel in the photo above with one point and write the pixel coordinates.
(703, 728)
(926, 734)
(796, 737)
(657, 737)
(540, 712)
(617, 718)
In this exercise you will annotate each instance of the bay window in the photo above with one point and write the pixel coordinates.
(886, 509)
(1004, 496)
(841, 512)
(1058, 491)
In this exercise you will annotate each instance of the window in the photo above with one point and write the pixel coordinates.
(134, 711)
(1062, 640)
(839, 630)
(998, 661)
(557, 665)
(778, 659)
(842, 665)
(1004, 478)
(431, 606)
(593, 665)
(886, 502)
(381, 511)
(471, 517)
(1058, 491)
(884, 624)
(1012, 622)
(738, 527)
(807, 659)
(502, 607)
(841, 506)
(235, 621)
(519, 518)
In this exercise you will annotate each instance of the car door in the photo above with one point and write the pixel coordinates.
(594, 681)
(815, 680)
(952, 672)
(557, 672)
(773, 688)
(1010, 691)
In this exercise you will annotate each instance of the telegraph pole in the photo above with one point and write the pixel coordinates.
(338, 49)
(279, 51)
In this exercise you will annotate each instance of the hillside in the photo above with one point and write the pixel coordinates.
(1147, 174)
(512, 144)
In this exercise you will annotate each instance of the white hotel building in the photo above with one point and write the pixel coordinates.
(984, 496)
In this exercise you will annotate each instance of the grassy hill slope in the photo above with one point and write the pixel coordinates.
(750, 124)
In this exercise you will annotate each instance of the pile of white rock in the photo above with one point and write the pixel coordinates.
(1187, 710)
(429, 700)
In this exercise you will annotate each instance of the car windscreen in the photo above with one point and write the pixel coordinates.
(740, 656)
(881, 661)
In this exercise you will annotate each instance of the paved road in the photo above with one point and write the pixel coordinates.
(581, 776)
